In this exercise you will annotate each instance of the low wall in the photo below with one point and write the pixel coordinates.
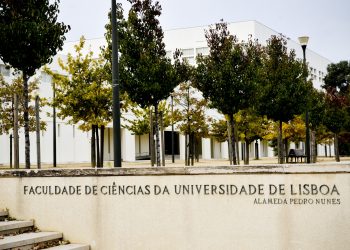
(260, 207)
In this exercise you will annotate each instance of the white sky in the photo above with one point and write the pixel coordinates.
(326, 22)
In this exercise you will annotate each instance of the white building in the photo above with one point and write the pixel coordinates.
(73, 145)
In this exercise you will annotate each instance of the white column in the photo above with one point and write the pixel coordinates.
(224, 150)
(128, 145)
(182, 147)
(206, 155)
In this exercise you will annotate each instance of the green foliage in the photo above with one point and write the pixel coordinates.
(30, 34)
(284, 92)
(146, 74)
(337, 97)
(317, 108)
(338, 78)
(7, 92)
(250, 126)
(295, 129)
(138, 119)
(218, 130)
(228, 77)
(83, 95)
(190, 107)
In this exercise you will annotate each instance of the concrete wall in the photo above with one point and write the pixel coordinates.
(187, 221)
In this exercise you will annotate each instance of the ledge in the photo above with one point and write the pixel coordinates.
(333, 168)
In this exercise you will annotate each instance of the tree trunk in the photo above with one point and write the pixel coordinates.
(15, 133)
(157, 134)
(102, 143)
(280, 145)
(98, 156)
(26, 121)
(162, 138)
(186, 150)
(192, 148)
(233, 139)
(313, 147)
(236, 144)
(151, 137)
(325, 150)
(256, 150)
(93, 148)
(330, 150)
(286, 148)
(37, 132)
(246, 158)
(336, 147)
(229, 142)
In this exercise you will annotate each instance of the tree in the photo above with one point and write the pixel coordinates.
(228, 76)
(29, 36)
(251, 127)
(147, 75)
(7, 92)
(83, 95)
(336, 84)
(192, 120)
(284, 92)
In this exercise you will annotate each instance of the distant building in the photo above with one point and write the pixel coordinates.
(73, 145)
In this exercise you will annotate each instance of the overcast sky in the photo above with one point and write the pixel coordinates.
(326, 22)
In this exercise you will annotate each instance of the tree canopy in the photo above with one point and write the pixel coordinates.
(228, 77)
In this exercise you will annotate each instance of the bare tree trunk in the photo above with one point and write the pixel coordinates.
(313, 147)
(246, 158)
(233, 139)
(37, 131)
(93, 148)
(186, 150)
(192, 148)
(102, 143)
(286, 148)
(157, 134)
(236, 145)
(162, 138)
(336, 147)
(151, 137)
(280, 145)
(229, 142)
(26, 121)
(15, 133)
(197, 145)
(98, 156)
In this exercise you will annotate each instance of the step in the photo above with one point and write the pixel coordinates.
(8, 227)
(70, 247)
(9, 242)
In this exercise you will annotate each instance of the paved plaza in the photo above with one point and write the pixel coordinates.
(181, 163)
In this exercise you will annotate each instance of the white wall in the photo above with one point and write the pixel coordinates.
(172, 221)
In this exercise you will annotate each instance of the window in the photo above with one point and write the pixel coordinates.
(4, 70)
(204, 51)
(187, 52)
